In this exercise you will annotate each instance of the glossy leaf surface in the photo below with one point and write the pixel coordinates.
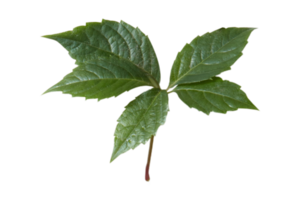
(214, 95)
(111, 56)
(209, 55)
(115, 57)
(140, 120)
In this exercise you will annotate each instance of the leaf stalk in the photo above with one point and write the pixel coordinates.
(147, 176)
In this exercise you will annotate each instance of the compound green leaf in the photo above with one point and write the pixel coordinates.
(140, 120)
(214, 95)
(209, 55)
(107, 53)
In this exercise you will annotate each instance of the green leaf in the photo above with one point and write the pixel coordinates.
(209, 55)
(140, 120)
(115, 57)
(112, 57)
(214, 95)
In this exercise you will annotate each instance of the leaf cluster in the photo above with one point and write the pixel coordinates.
(115, 57)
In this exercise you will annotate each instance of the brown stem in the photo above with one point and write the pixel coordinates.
(147, 177)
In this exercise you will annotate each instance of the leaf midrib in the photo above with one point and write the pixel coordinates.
(211, 93)
(148, 74)
(103, 79)
(140, 119)
(191, 69)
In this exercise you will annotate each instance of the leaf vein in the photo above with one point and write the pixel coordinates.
(112, 54)
(195, 100)
(93, 73)
(129, 50)
(204, 60)
(191, 58)
(136, 43)
(216, 94)
(104, 37)
(123, 141)
(86, 62)
(210, 102)
(227, 103)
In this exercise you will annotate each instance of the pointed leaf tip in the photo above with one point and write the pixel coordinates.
(214, 95)
(43, 36)
(140, 120)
